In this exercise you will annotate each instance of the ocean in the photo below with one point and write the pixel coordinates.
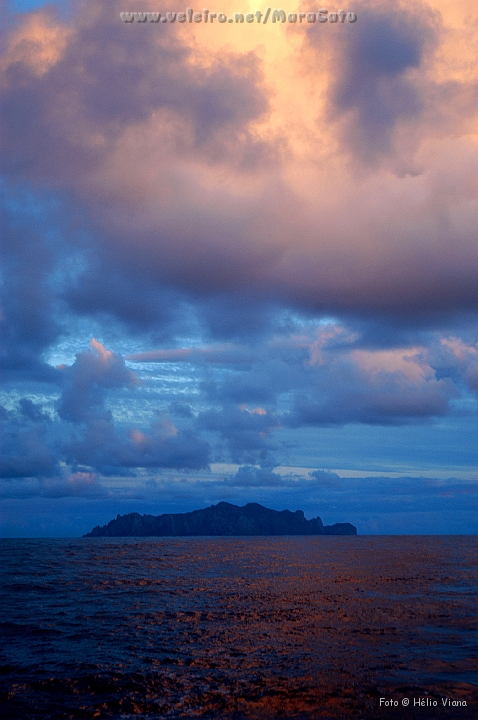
(239, 628)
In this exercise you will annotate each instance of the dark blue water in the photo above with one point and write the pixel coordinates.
(309, 627)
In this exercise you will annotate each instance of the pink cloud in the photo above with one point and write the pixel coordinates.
(174, 151)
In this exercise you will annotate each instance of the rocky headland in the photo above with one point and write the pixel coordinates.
(222, 519)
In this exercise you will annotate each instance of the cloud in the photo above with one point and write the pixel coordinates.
(101, 445)
(264, 477)
(94, 370)
(389, 386)
(198, 196)
(327, 378)
(374, 89)
(465, 357)
(326, 375)
(77, 484)
(28, 321)
(108, 449)
(25, 446)
(61, 485)
(245, 431)
(221, 354)
(325, 479)
(323, 377)
(107, 291)
(208, 201)
(379, 505)
(277, 229)
(84, 433)
(138, 72)
(250, 476)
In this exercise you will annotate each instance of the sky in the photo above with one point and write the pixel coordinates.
(239, 262)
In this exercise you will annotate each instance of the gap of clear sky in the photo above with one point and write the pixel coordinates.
(239, 262)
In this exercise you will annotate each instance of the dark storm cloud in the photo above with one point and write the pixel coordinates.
(372, 88)
(384, 98)
(245, 315)
(25, 446)
(108, 291)
(27, 297)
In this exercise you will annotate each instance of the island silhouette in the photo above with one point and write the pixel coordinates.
(222, 519)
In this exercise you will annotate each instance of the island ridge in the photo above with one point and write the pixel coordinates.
(222, 519)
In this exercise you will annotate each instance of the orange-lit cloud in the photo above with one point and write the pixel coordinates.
(330, 167)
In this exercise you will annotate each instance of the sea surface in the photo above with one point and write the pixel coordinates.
(239, 628)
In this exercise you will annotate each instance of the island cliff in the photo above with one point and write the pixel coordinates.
(221, 519)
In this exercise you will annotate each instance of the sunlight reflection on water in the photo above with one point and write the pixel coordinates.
(255, 626)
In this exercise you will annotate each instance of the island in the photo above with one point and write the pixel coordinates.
(220, 520)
